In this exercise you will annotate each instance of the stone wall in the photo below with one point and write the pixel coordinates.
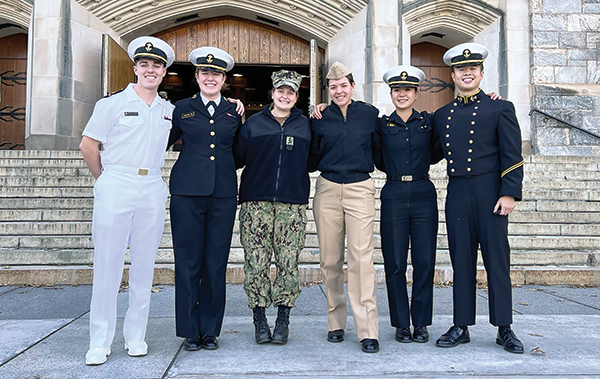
(565, 75)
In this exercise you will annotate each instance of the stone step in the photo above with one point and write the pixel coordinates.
(69, 242)
(25, 257)
(309, 274)
(56, 226)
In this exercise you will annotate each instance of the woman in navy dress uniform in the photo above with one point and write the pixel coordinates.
(203, 200)
(408, 204)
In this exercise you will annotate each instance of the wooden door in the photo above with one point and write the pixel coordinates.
(437, 89)
(117, 67)
(247, 41)
(13, 79)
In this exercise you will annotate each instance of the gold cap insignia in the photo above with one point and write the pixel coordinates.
(210, 58)
(467, 53)
(404, 75)
(149, 46)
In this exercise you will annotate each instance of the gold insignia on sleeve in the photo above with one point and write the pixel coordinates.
(188, 115)
(210, 58)
(511, 168)
(149, 46)
(467, 53)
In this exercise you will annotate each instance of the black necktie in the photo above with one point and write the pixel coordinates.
(214, 107)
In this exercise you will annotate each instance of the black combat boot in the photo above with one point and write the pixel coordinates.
(262, 333)
(281, 331)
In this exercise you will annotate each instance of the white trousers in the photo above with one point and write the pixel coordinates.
(128, 210)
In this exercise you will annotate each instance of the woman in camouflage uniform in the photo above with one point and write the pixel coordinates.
(274, 145)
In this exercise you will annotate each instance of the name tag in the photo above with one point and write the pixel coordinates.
(130, 113)
(188, 115)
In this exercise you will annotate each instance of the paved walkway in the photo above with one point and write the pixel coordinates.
(44, 334)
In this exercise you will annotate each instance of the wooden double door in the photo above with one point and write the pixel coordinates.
(438, 88)
(13, 79)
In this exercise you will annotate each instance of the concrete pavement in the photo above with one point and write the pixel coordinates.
(44, 334)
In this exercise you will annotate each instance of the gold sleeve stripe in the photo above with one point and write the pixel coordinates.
(512, 168)
(149, 55)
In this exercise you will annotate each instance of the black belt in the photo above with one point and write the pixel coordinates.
(407, 178)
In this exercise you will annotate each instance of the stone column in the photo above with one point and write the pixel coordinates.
(50, 116)
(515, 52)
(382, 50)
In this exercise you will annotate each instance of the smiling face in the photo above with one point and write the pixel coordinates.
(210, 83)
(404, 97)
(340, 91)
(284, 98)
(149, 72)
(467, 79)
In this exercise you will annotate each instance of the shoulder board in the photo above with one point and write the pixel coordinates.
(114, 93)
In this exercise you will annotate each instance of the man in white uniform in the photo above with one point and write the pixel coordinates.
(129, 196)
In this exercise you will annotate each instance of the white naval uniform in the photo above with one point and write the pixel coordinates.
(129, 208)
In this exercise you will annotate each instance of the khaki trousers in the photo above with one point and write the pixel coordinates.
(348, 209)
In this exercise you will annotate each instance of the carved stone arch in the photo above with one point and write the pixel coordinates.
(457, 20)
(16, 12)
(319, 19)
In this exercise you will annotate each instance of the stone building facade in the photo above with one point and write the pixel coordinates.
(544, 54)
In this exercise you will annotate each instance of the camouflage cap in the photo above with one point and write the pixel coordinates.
(286, 78)
(337, 71)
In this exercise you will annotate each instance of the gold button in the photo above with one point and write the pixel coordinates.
(451, 110)
(469, 159)
(451, 161)
(471, 141)
(212, 133)
(447, 135)
(449, 153)
(452, 170)
(472, 122)
(212, 158)
(212, 145)
(449, 118)
(447, 143)
(472, 131)
(476, 107)
(212, 121)
(455, 104)
(478, 101)
(468, 168)
(470, 150)
(447, 126)
(474, 114)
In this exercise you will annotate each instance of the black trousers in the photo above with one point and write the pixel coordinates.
(470, 222)
(201, 228)
(409, 213)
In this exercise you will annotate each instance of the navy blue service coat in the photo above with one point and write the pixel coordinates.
(481, 140)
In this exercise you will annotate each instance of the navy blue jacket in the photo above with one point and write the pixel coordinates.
(479, 136)
(206, 165)
(275, 157)
(408, 148)
(342, 149)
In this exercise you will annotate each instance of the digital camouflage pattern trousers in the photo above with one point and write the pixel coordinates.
(272, 228)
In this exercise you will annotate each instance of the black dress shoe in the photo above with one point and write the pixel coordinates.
(192, 344)
(335, 335)
(403, 335)
(209, 342)
(421, 334)
(508, 339)
(453, 337)
(370, 345)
